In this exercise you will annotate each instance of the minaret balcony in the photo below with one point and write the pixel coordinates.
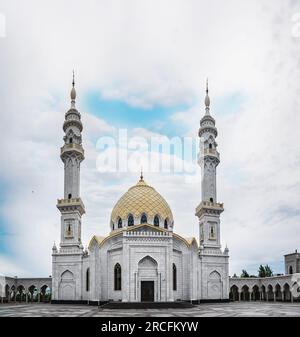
(72, 148)
(208, 153)
(208, 129)
(211, 152)
(209, 207)
(72, 122)
(71, 205)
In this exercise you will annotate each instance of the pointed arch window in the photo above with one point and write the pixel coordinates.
(174, 277)
(117, 277)
(130, 220)
(120, 223)
(87, 285)
(144, 218)
(156, 221)
(166, 224)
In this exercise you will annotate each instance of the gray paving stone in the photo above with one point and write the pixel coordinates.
(237, 309)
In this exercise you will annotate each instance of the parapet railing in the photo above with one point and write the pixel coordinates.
(146, 233)
(209, 204)
(69, 201)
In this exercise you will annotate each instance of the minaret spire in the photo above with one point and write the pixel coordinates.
(207, 99)
(73, 83)
(73, 92)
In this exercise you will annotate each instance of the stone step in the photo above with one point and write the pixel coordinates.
(147, 305)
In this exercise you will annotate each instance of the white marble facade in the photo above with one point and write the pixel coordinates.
(142, 259)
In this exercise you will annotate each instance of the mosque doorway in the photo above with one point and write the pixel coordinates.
(147, 291)
(147, 280)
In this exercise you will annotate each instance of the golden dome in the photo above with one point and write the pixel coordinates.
(142, 199)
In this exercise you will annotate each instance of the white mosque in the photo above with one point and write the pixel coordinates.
(142, 259)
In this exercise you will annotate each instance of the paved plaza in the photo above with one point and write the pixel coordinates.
(236, 309)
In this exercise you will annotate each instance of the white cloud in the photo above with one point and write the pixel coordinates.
(9, 267)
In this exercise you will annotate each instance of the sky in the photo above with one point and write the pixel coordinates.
(141, 66)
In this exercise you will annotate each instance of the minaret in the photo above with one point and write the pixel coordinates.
(209, 210)
(72, 154)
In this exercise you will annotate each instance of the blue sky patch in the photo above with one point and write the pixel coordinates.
(229, 104)
(123, 115)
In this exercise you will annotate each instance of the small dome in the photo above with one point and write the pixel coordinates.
(142, 199)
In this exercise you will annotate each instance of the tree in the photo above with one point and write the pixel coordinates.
(269, 271)
(261, 271)
(265, 271)
(244, 274)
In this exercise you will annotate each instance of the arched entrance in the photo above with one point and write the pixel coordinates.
(245, 294)
(148, 280)
(32, 293)
(278, 293)
(20, 296)
(13, 293)
(263, 293)
(67, 286)
(45, 294)
(214, 286)
(270, 294)
(7, 293)
(255, 293)
(234, 293)
(286, 293)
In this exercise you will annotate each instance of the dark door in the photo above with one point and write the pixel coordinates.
(147, 291)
